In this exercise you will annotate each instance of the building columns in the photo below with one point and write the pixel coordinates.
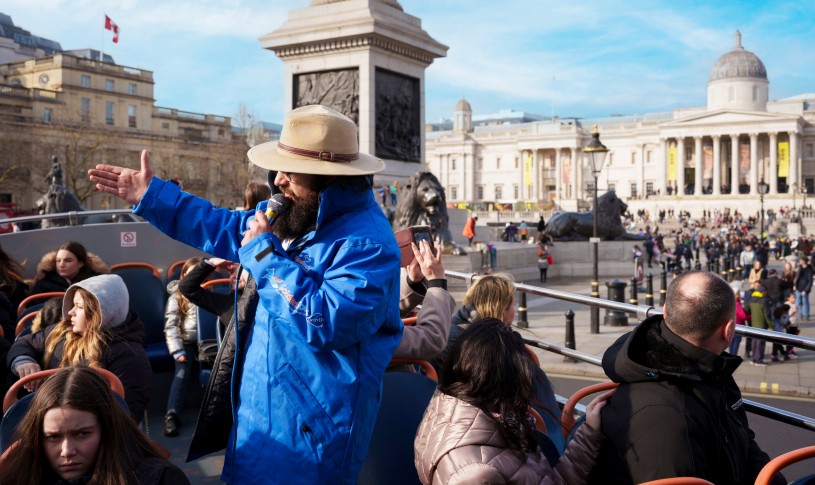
(573, 176)
(717, 165)
(680, 166)
(753, 163)
(662, 173)
(558, 176)
(734, 164)
(793, 177)
(697, 176)
(773, 163)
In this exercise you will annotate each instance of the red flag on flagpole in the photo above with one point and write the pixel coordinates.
(109, 25)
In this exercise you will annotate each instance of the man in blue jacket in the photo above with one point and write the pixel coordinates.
(319, 320)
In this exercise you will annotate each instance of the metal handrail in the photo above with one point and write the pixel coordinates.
(72, 215)
(771, 412)
(643, 311)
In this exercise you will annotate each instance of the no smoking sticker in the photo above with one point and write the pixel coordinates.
(128, 239)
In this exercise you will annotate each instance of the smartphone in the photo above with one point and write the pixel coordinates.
(413, 234)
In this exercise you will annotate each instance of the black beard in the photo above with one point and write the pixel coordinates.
(299, 219)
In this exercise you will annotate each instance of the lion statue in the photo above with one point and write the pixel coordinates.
(422, 202)
(579, 226)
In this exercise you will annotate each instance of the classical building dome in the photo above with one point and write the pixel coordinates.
(738, 63)
(463, 117)
(738, 81)
(463, 105)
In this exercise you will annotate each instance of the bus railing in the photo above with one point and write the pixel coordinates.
(642, 312)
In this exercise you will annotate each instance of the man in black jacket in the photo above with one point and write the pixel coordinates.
(678, 411)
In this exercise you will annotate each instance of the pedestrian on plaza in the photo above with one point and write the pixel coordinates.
(544, 261)
(760, 317)
(741, 319)
(469, 230)
(802, 286)
(781, 320)
(523, 231)
(541, 225)
(792, 328)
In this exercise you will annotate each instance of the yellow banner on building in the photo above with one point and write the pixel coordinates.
(783, 159)
(527, 170)
(672, 163)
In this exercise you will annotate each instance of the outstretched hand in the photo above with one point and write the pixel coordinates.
(432, 267)
(125, 183)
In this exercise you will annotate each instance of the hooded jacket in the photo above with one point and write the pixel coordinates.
(759, 309)
(459, 443)
(677, 412)
(123, 353)
(48, 280)
(319, 323)
(179, 328)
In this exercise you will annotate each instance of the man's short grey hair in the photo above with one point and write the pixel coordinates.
(697, 304)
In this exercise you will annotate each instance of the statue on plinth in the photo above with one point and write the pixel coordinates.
(422, 202)
(579, 226)
(58, 199)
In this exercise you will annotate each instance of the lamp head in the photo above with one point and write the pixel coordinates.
(596, 151)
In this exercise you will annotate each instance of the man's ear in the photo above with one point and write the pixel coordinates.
(729, 331)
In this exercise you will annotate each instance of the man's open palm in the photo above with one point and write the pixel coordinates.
(125, 183)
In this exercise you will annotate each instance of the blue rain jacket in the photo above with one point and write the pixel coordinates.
(326, 325)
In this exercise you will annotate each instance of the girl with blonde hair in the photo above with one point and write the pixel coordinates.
(97, 330)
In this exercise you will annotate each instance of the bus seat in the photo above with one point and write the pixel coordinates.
(25, 306)
(25, 322)
(405, 397)
(428, 369)
(679, 481)
(567, 419)
(174, 271)
(116, 268)
(148, 297)
(776, 464)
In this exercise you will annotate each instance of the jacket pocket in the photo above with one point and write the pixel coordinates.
(314, 425)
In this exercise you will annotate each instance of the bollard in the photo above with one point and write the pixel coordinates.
(698, 264)
(731, 275)
(633, 299)
(522, 319)
(716, 265)
(739, 270)
(616, 292)
(570, 339)
(725, 267)
(649, 290)
(663, 288)
(709, 265)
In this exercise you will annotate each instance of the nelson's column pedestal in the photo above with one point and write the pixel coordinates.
(366, 59)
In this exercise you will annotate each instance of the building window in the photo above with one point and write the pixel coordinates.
(648, 156)
(479, 192)
(516, 191)
(221, 132)
(499, 192)
(755, 93)
(165, 126)
(131, 88)
(47, 115)
(633, 158)
(480, 163)
(731, 93)
(810, 185)
(529, 192)
(590, 188)
(498, 163)
(108, 84)
(131, 116)
(610, 158)
(454, 192)
(86, 81)
(810, 150)
(612, 186)
(649, 188)
(633, 189)
(517, 162)
(452, 164)
(86, 109)
(109, 112)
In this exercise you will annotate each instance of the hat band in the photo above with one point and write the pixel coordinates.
(324, 156)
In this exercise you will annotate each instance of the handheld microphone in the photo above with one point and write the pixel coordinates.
(277, 205)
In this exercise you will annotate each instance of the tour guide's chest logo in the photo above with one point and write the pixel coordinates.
(316, 319)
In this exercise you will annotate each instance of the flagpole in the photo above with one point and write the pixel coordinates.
(102, 43)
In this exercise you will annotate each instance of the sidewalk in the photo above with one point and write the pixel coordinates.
(547, 322)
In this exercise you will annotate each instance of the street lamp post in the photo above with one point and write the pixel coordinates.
(597, 155)
(794, 190)
(762, 189)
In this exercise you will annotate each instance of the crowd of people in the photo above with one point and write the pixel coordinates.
(295, 387)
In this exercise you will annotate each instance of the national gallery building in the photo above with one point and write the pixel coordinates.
(722, 154)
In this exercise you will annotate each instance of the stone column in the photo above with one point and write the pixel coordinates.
(558, 176)
(773, 164)
(697, 154)
(573, 177)
(680, 165)
(753, 163)
(734, 164)
(536, 176)
(717, 165)
(662, 171)
(793, 177)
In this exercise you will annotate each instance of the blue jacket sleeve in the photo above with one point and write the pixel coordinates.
(358, 287)
(193, 220)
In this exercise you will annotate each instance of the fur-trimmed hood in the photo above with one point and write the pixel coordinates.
(95, 265)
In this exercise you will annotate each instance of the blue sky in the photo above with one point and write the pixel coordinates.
(583, 59)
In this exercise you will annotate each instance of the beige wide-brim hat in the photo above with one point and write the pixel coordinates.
(316, 140)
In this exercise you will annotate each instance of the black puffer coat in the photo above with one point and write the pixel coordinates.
(677, 412)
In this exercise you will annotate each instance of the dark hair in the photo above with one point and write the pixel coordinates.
(697, 304)
(9, 281)
(81, 254)
(255, 192)
(122, 445)
(500, 384)
(49, 314)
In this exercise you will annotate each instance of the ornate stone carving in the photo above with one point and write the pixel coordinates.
(338, 90)
(579, 226)
(398, 127)
(422, 202)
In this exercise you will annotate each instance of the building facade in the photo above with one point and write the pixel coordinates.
(723, 152)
